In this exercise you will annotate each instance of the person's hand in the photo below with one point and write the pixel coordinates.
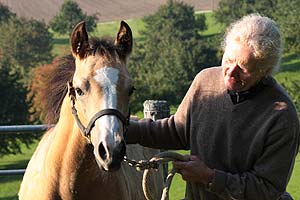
(194, 170)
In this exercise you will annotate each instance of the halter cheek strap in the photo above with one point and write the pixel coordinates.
(86, 131)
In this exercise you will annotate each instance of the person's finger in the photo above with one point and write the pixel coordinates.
(179, 164)
(184, 174)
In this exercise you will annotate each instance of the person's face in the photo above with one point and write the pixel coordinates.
(239, 68)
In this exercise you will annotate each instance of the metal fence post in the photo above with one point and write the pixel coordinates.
(157, 109)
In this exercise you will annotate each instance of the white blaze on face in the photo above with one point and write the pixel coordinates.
(107, 77)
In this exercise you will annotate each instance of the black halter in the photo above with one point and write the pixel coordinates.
(86, 131)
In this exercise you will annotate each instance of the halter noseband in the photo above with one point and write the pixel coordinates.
(86, 131)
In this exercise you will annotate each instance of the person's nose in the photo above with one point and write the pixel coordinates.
(232, 70)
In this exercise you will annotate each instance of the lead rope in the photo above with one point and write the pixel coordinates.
(154, 163)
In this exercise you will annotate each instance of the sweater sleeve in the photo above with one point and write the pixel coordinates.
(269, 177)
(161, 134)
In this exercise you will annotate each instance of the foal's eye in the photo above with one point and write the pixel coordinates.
(131, 90)
(79, 91)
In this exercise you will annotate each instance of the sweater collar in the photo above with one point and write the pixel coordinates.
(238, 97)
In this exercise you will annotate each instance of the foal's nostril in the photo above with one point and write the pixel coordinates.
(102, 151)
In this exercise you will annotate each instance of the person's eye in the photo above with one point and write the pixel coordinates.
(79, 91)
(243, 69)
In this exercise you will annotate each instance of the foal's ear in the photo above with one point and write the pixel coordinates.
(79, 40)
(123, 40)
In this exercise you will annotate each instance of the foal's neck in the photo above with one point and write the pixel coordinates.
(73, 154)
(74, 144)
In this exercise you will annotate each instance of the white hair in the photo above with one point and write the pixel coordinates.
(261, 35)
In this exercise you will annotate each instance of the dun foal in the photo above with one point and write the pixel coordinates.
(81, 157)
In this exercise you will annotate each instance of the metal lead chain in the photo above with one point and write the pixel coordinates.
(142, 164)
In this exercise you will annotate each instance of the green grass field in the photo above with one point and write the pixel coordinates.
(9, 185)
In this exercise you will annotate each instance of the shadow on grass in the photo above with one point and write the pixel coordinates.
(61, 41)
(16, 165)
(20, 164)
(11, 178)
(290, 63)
(213, 36)
(9, 198)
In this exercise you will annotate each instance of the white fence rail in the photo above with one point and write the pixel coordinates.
(154, 109)
(24, 128)
(20, 129)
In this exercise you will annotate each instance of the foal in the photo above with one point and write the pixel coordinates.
(81, 157)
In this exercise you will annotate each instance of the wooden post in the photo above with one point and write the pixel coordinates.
(157, 109)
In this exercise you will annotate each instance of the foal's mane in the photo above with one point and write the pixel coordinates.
(61, 71)
(55, 84)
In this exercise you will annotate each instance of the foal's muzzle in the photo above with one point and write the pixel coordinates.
(114, 162)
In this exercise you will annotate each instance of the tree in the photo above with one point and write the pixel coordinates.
(231, 10)
(264, 7)
(170, 55)
(25, 44)
(68, 16)
(285, 13)
(14, 109)
(14, 96)
(5, 13)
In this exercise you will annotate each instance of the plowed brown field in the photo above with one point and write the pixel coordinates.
(107, 10)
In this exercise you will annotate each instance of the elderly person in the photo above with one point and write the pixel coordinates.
(241, 127)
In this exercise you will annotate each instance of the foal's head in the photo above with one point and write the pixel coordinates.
(102, 82)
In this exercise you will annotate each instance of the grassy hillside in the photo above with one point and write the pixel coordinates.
(62, 42)
(62, 46)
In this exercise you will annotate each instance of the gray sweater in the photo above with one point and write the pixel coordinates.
(251, 145)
